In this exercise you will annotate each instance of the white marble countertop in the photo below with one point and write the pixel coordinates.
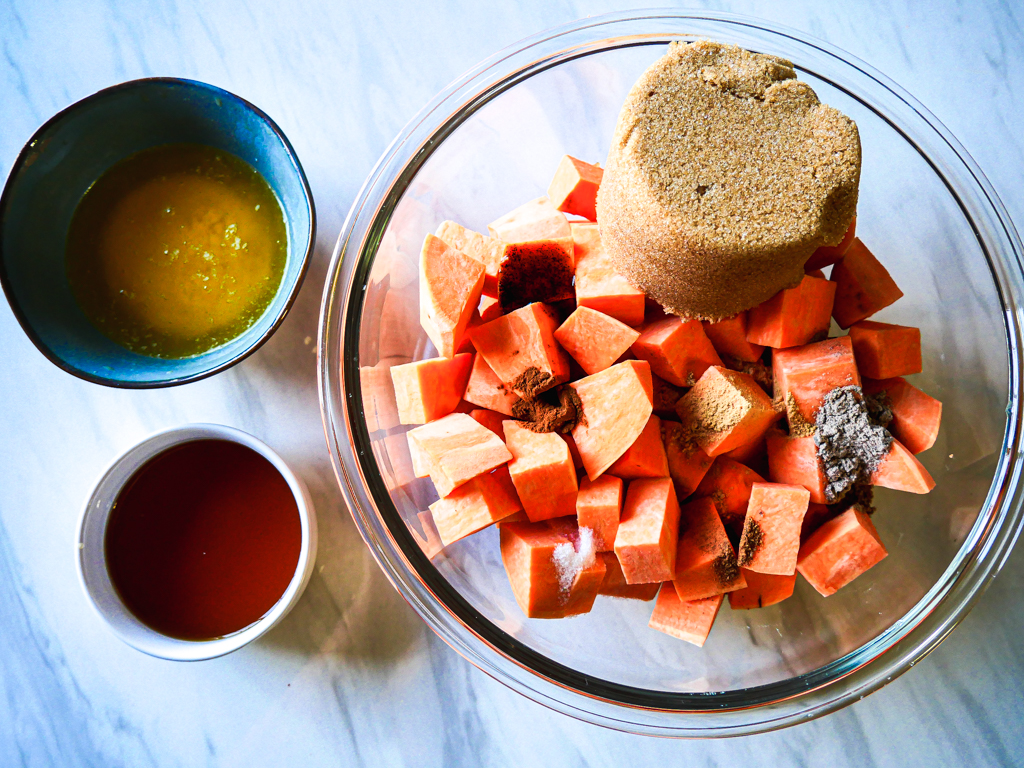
(352, 676)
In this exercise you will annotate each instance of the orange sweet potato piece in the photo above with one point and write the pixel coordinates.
(863, 286)
(514, 343)
(378, 393)
(535, 221)
(648, 531)
(817, 515)
(598, 285)
(793, 460)
(577, 460)
(645, 457)
(727, 485)
(614, 584)
(430, 540)
(617, 403)
(705, 560)
(884, 350)
(474, 505)
(752, 454)
(915, 416)
(455, 449)
(666, 396)
(490, 419)
(488, 251)
(793, 316)
(689, 621)
(687, 463)
(900, 470)
(595, 340)
(806, 374)
(729, 338)
(540, 270)
(762, 590)
(489, 308)
(542, 472)
(771, 530)
(485, 389)
(574, 187)
(840, 551)
(678, 350)
(830, 254)
(429, 389)
(450, 286)
(724, 410)
(598, 507)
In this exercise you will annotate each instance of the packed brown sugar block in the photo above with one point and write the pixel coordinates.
(489, 251)
(727, 485)
(840, 551)
(678, 350)
(474, 505)
(599, 507)
(863, 286)
(687, 462)
(916, 416)
(521, 349)
(485, 389)
(729, 337)
(827, 255)
(645, 457)
(794, 316)
(450, 286)
(793, 460)
(426, 390)
(771, 531)
(455, 449)
(617, 404)
(534, 222)
(648, 531)
(542, 472)
(593, 339)
(614, 583)
(900, 470)
(705, 560)
(598, 285)
(724, 410)
(884, 350)
(574, 187)
(762, 590)
(804, 375)
(690, 621)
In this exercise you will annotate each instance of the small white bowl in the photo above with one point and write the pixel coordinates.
(91, 557)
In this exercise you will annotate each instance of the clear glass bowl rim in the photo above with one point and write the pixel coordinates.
(501, 656)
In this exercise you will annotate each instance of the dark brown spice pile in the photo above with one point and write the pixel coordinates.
(757, 370)
(725, 566)
(544, 414)
(752, 540)
(850, 446)
(532, 382)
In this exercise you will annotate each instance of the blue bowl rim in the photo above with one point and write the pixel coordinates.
(19, 164)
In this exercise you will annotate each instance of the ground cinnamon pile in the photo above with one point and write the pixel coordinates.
(752, 540)
(558, 411)
(532, 382)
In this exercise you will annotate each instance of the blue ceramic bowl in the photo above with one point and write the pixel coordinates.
(69, 153)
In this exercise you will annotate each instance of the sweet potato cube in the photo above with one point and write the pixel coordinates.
(762, 590)
(485, 389)
(574, 188)
(705, 560)
(488, 251)
(577, 460)
(752, 453)
(429, 540)
(817, 515)
(793, 316)
(541, 270)
(840, 551)
(771, 530)
(915, 416)
(598, 507)
(830, 254)
(794, 460)
(595, 340)
(729, 338)
(535, 221)
(900, 470)
(542, 472)
(884, 350)
(678, 350)
(456, 449)
(490, 419)
(450, 286)
(598, 285)
(378, 392)
(665, 398)
(648, 531)
(474, 505)
(804, 375)
(429, 389)
(521, 350)
(614, 584)
(689, 621)
(617, 404)
(687, 463)
(724, 410)
(645, 457)
(552, 572)
(863, 286)
(727, 485)
(489, 308)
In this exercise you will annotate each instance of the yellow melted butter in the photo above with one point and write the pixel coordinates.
(176, 250)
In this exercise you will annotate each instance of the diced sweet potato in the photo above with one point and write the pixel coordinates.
(490, 419)
(594, 339)
(598, 285)
(614, 584)
(724, 410)
(577, 460)
(489, 308)
(520, 348)
(705, 560)
(450, 286)
(689, 621)
(794, 460)
(617, 403)
(429, 540)
(488, 251)
(762, 590)
(817, 515)
(542, 472)
(840, 551)
(399, 334)
(900, 470)
(830, 254)
(678, 350)
(429, 389)
(536, 271)
(884, 350)
(752, 454)
(915, 415)
(687, 463)
(793, 316)
(665, 398)
(474, 505)
(535, 221)
(485, 389)
(645, 457)
(863, 286)
(574, 188)
(729, 338)
(771, 530)
(378, 392)
(804, 375)
(598, 507)
(727, 485)
(648, 531)
(456, 449)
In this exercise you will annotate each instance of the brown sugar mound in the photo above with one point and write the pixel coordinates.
(724, 175)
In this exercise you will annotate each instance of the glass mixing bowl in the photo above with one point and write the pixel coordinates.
(491, 141)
